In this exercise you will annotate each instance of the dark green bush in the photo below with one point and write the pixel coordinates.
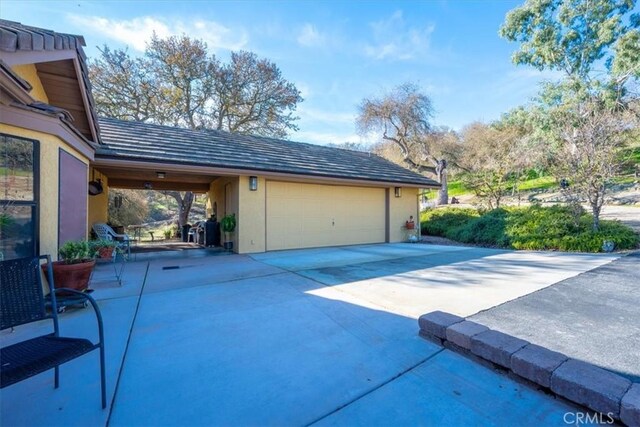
(436, 222)
(486, 230)
(530, 228)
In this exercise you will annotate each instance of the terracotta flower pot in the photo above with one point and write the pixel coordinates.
(106, 253)
(72, 276)
(410, 225)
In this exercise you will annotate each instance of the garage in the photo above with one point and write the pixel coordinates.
(300, 215)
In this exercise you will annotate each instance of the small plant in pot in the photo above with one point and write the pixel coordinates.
(104, 249)
(228, 225)
(410, 225)
(76, 264)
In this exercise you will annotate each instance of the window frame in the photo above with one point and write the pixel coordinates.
(35, 202)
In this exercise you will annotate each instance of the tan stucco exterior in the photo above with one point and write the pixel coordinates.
(29, 73)
(98, 205)
(223, 196)
(287, 214)
(251, 216)
(314, 215)
(400, 209)
(49, 146)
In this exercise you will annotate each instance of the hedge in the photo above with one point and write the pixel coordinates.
(533, 228)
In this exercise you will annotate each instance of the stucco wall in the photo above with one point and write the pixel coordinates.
(251, 216)
(29, 73)
(250, 209)
(218, 191)
(98, 205)
(48, 206)
(400, 208)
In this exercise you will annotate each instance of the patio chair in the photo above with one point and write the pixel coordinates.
(22, 301)
(103, 231)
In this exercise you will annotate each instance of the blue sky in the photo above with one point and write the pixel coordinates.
(336, 52)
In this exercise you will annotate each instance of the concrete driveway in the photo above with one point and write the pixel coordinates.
(325, 336)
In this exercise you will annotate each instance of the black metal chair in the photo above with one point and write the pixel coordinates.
(22, 301)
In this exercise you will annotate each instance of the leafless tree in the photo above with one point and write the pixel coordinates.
(490, 159)
(403, 116)
(591, 138)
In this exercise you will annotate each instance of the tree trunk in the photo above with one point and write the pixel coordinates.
(595, 210)
(441, 172)
(185, 201)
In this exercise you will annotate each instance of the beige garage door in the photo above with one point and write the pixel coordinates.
(310, 215)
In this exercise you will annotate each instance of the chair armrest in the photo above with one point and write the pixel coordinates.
(93, 303)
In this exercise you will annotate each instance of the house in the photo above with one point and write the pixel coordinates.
(284, 194)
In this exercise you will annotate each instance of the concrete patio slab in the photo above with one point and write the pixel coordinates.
(307, 259)
(449, 389)
(202, 271)
(253, 351)
(34, 402)
(475, 280)
(235, 340)
(104, 278)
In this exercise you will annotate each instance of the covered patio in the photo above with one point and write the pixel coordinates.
(321, 336)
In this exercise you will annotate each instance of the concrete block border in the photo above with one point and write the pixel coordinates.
(580, 382)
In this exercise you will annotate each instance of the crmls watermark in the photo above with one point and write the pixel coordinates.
(580, 418)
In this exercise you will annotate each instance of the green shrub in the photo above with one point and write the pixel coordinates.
(530, 228)
(486, 230)
(436, 222)
(76, 251)
(228, 223)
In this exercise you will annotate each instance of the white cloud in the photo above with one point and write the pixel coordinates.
(309, 36)
(137, 32)
(393, 39)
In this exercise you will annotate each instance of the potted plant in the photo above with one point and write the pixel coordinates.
(228, 225)
(104, 249)
(410, 225)
(75, 266)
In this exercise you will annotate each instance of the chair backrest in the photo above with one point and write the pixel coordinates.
(103, 231)
(21, 294)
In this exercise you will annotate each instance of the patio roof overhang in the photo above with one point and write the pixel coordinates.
(193, 177)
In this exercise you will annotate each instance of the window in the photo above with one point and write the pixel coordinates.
(18, 197)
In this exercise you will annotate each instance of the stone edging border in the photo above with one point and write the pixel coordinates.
(580, 382)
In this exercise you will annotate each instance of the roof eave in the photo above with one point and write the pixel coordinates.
(133, 162)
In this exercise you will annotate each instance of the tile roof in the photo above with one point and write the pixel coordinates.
(128, 140)
(15, 36)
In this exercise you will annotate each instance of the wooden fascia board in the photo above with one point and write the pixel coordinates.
(23, 57)
(85, 100)
(14, 89)
(208, 170)
(42, 122)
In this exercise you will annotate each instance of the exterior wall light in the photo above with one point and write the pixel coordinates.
(161, 175)
(398, 191)
(253, 183)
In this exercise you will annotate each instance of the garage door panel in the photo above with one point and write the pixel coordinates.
(311, 215)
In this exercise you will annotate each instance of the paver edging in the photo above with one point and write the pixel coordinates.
(600, 390)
